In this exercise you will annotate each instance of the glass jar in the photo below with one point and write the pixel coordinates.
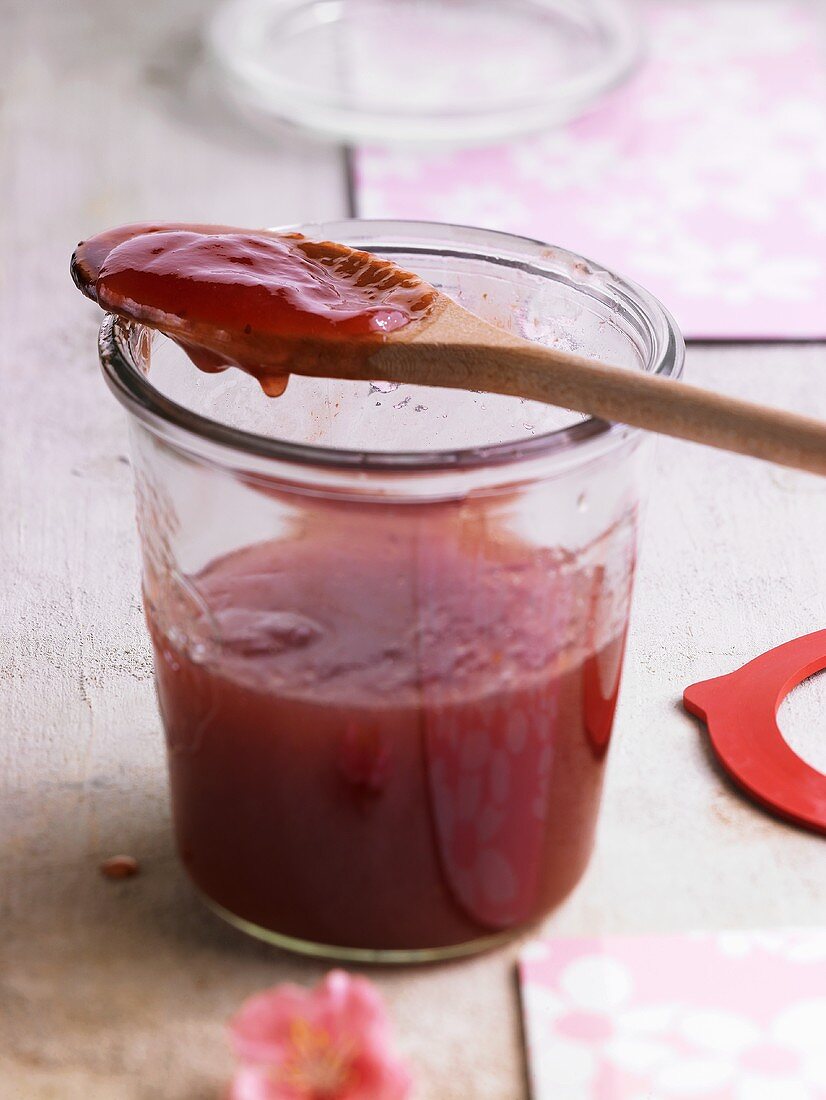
(389, 621)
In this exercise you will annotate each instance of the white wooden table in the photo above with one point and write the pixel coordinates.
(120, 990)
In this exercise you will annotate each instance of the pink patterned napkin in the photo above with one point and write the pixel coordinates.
(725, 1016)
(704, 178)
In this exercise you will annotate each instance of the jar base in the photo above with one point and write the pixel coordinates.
(363, 955)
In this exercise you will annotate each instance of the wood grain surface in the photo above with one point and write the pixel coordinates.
(120, 989)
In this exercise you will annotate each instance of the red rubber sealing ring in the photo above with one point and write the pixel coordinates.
(740, 710)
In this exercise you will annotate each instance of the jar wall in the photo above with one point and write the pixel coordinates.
(388, 621)
(387, 717)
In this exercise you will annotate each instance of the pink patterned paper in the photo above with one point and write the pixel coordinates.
(723, 1016)
(704, 178)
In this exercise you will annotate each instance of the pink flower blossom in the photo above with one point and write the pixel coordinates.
(329, 1043)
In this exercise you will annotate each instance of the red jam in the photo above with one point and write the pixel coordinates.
(249, 299)
(377, 736)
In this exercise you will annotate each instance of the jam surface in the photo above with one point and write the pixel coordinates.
(385, 737)
(252, 299)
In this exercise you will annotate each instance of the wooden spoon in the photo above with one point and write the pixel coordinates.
(454, 348)
(458, 350)
(438, 344)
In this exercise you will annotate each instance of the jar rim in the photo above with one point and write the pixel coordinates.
(667, 350)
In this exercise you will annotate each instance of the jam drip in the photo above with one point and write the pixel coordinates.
(253, 299)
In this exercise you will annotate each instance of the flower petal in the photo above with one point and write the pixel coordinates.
(802, 1026)
(814, 1069)
(753, 1087)
(719, 1031)
(647, 1020)
(542, 1005)
(350, 1006)
(636, 1055)
(597, 983)
(735, 943)
(807, 946)
(563, 1068)
(258, 1083)
(260, 1030)
(385, 1080)
(691, 1077)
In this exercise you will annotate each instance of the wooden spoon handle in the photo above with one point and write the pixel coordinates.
(626, 396)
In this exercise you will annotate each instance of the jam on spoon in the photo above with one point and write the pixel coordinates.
(258, 300)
